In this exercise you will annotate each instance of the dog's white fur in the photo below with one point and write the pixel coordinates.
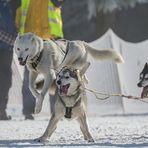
(29, 46)
(73, 78)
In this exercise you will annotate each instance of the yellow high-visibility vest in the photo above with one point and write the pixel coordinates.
(54, 18)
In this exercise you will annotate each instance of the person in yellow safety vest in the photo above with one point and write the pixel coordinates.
(42, 17)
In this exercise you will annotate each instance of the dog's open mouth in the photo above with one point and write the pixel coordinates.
(23, 62)
(64, 89)
(144, 93)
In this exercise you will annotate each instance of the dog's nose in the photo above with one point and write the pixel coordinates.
(58, 82)
(20, 59)
(139, 84)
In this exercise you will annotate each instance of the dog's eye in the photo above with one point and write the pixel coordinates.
(67, 77)
(26, 49)
(18, 49)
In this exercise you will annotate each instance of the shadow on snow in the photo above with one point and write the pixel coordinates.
(32, 143)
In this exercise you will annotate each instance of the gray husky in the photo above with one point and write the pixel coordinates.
(48, 57)
(71, 102)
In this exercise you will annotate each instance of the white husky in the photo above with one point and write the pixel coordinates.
(46, 57)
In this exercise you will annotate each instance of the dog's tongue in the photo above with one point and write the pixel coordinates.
(64, 89)
(144, 93)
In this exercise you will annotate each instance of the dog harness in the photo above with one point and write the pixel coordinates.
(36, 60)
(68, 110)
(64, 51)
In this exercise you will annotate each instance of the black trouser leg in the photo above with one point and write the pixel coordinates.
(52, 102)
(5, 78)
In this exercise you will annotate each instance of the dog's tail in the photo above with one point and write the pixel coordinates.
(106, 54)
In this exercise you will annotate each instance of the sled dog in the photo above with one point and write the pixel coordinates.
(143, 81)
(47, 57)
(71, 103)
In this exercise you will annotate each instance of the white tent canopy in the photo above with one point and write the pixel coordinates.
(118, 78)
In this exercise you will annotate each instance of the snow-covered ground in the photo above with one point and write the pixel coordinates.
(108, 132)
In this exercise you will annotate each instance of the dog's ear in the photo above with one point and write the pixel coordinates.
(146, 65)
(15, 42)
(40, 43)
(32, 37)
(19, 36)
(37, 40)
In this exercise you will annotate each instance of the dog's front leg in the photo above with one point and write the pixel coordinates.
(49, 77)
(32, 77)
(50, 128)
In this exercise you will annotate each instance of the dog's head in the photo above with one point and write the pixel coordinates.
(27, 46)
(68, 81)
(143, 81)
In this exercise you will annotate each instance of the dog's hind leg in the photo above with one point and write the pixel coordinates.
(84, 128)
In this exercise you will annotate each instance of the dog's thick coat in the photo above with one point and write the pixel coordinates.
(46, 57)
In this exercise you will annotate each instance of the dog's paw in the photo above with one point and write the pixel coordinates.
(91, 140)
(41, 140)
(37, 110)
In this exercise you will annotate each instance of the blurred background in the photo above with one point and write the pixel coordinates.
(118, 24)
(127, 18)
